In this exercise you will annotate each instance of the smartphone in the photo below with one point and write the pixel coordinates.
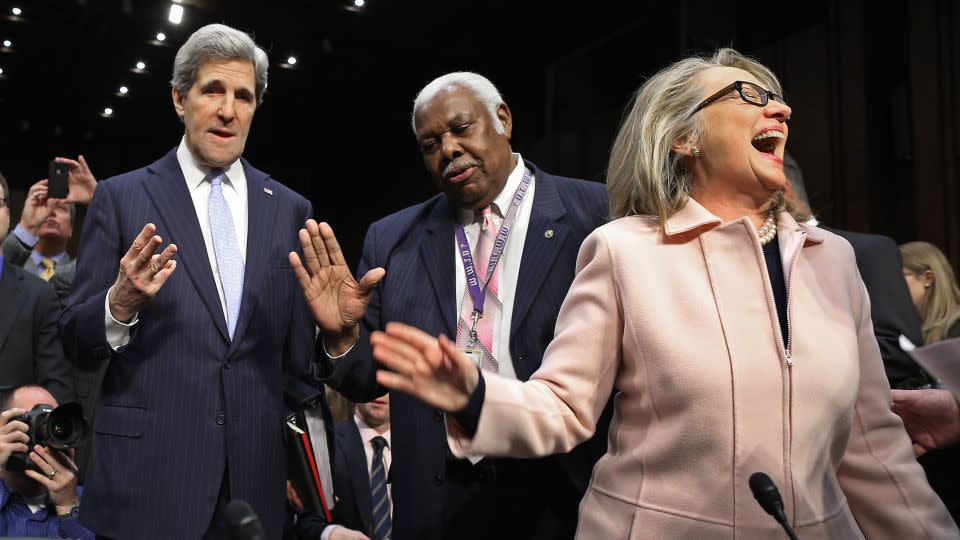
(57, 174)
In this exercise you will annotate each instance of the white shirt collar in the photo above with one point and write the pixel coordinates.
(505, 197)
(195, 174)
(367, 433)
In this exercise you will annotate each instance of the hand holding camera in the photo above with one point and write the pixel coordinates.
(13, 435)
(59, 476)
(36, 208)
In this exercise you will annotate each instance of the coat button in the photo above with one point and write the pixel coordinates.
(439, 415)
(437, 480)
(221, 419)
(226, 365)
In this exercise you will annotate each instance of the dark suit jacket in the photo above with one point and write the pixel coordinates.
(891, 308)
(435, 495)
(18, 254)
(182, 404)
(30, 352)
(351, 487)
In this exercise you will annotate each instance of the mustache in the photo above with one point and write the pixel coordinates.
(459, 165)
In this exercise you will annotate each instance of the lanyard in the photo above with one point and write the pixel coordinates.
(477, 291)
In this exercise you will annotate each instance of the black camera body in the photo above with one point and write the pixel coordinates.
(57, 428)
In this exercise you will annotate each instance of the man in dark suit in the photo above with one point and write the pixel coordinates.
(881, 269)
(30, 352)
(356, 484)
(191, 407)
(464, 128)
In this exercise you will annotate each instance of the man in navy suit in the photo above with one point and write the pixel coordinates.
(191, 407)
(417, 268)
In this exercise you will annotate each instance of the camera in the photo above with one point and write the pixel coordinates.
(58, 428)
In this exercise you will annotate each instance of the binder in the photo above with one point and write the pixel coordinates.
(309, 455)
(303, 470)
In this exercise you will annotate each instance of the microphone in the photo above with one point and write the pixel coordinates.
(243, 521)
(767, 494)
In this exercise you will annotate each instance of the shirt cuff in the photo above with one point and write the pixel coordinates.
(346, 352)
(70, 527)
(118, 333)
(469, 416)
(325, 535)
(24, 236)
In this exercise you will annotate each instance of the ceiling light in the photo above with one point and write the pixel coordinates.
(292, 60)
(16, 11)
(108, 111)
(124, 90)
(176, 14)
(7, 43)
(141, 66)
(1, 71)
(358, 3)
(161, 36)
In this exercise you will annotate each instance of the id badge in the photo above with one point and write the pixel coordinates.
(475, 354)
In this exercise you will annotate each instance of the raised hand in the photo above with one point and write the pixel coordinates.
(59, 477)
(36, 208)
(430, 369)
(336, 300)
(141, 274)
(80, 181)
(931, 417)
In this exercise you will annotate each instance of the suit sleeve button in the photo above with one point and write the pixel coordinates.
(221, 419)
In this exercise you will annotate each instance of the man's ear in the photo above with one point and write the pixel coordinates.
(177, 101)
(506, 119)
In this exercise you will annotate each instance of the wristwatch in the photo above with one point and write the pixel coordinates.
(72, 514)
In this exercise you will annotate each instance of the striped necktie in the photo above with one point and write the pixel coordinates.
(492, 306)
(382, 523)
(226, 248)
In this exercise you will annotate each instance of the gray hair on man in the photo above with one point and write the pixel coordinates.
(481, 87)
(222, 43)
(645, 176)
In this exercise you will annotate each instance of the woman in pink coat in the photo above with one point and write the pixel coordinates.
(737, 341)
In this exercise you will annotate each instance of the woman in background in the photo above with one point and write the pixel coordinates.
(933, 288)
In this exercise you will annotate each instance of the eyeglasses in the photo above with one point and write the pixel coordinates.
(749, 92)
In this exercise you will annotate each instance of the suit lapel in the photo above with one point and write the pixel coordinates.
(541, 246)
(168, 190)
(10, 286)
(356, 458)
(437, 250)
(261, 212)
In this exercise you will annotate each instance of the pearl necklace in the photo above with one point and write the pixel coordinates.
(768, 230)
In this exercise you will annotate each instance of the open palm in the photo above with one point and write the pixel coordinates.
(337, 301)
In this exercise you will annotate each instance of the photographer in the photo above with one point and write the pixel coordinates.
(34, 504)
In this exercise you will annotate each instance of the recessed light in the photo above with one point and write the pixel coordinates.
(141, 66)
(292, 60)
(161, 36)
(124, 89)
(107, 111)
(7, 43)
(16, 11)
(176, 14)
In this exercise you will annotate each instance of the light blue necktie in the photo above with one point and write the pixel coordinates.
(229, 262)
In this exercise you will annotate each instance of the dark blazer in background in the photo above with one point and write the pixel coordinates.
(435, 495)
(30, 352)
(892, 310)
(181, 405)
(19, 255)
(351, 487)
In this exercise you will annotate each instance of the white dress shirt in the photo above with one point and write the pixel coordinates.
(198, 184)
(509, 262)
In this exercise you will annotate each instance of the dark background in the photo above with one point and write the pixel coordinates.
(874, 90)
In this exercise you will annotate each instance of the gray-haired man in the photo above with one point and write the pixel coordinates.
(198, 346)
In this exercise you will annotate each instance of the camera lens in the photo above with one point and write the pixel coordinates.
(61, 430)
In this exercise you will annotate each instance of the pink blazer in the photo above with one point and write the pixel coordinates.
(682, 322)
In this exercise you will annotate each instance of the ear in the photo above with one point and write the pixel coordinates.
(506, 119)
(177, 101)
(683, 147)
(927, 278)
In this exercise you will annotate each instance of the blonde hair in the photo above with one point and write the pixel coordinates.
(941, 306)
(645, 176)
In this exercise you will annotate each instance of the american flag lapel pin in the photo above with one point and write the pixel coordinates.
(268, 191)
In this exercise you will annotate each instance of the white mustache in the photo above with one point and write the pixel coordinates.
(459, 165)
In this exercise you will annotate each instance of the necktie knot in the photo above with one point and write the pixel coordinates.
(217, 176)
(379, 443)
(49, 268)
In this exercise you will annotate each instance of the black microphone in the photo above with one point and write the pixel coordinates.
(767, 494)
(243, 521)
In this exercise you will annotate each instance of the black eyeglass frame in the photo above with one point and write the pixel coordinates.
(765, 96)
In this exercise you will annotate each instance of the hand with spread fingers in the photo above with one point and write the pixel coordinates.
(336, 300)
(80, 181)
(432, 370)
(142, 273)
(931, 417)
(13, 435)
(59, 477)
